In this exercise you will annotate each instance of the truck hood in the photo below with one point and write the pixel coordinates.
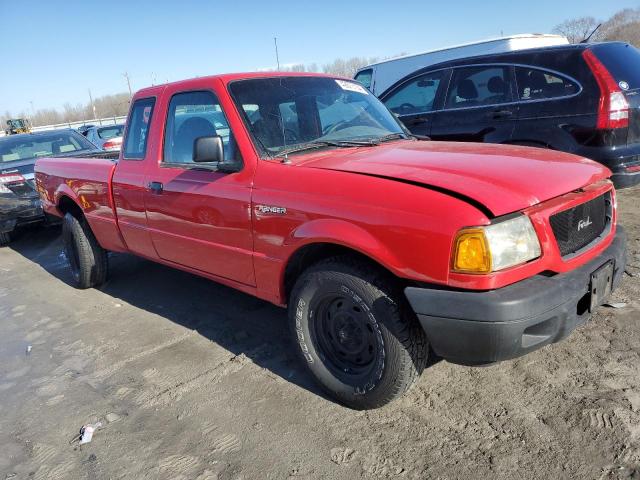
(502, 178)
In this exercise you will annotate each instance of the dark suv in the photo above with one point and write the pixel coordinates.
(582, 99)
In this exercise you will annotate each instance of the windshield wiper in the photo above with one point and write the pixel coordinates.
(391, 136)
(326, 143)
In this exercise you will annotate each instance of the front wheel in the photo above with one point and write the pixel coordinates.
(356, 332)
(87, 259)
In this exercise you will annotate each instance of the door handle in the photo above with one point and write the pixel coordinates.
(500, 114)
(156, 187)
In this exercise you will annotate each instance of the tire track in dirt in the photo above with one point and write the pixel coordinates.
(598, 419)
(173, 391)
(175, 465)
(113, 368)
(226, 444)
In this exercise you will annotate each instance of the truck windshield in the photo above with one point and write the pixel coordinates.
(288, 112)
(29, 146)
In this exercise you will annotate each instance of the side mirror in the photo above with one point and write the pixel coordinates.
(208, 149)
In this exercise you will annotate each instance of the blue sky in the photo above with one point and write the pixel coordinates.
(54, 51)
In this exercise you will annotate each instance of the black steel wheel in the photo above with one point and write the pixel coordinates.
(356, 332)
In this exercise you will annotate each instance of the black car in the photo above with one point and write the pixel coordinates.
(582, 99)
(19, 200)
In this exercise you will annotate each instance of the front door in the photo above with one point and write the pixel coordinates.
(478, 106)
(415, 100)
(200, 217)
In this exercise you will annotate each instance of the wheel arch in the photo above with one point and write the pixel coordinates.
(66, 204)
(323, 239)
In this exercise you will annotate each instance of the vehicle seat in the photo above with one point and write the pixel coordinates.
(538, 84)
(268, 128)
(184, 141)
(498, 87)
(468, 92)
(56, 147)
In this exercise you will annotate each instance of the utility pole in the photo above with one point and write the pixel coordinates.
(126, 75)
(93, 107)
(275, 42)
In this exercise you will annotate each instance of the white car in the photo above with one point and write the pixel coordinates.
(378, 77)
(107, 138)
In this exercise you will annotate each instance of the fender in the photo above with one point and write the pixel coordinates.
(345, 234)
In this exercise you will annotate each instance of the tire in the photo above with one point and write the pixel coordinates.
(87, 259)
(5, 238)
(356, 333)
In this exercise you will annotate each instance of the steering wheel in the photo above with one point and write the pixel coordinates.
(341, 125)
(407, 107)
(290, 136)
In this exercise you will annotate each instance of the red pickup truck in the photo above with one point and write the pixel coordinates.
(304, 190)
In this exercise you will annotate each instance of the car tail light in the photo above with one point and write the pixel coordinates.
(635, 168)
(111, 144)
(9, 178)
(613, 109)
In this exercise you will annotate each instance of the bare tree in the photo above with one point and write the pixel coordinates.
(623, 26)
(578, 29)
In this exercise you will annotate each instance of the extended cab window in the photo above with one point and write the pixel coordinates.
(415, 96)
(478, 86)
(135, 146)
(193, 115)
(536, 84)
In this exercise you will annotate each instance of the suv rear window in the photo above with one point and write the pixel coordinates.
(535, 84)
(622, 61)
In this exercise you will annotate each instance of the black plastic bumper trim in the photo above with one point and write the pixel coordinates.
(480, 327)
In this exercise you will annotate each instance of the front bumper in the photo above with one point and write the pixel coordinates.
(481, 327)
(19, 211)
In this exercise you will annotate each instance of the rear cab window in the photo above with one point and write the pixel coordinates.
(622, 61)
(135, 145)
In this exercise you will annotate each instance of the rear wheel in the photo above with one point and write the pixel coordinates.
(356, 332)
(5, 238)
(87, 259)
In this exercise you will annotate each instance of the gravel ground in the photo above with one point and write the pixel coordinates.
(192, 380)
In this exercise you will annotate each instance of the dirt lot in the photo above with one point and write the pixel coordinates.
(194, 380)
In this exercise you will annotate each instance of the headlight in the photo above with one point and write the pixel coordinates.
(495, 247)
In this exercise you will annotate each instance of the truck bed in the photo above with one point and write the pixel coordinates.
(84, 180)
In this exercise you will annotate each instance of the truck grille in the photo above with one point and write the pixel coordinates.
(579, 226)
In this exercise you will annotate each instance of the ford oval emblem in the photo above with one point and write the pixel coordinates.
(623, 85)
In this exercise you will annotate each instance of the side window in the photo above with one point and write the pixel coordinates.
(193, 115)
(135, 145)
(534, 84)
(364, 77)
(415, 96)
(478, 86)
